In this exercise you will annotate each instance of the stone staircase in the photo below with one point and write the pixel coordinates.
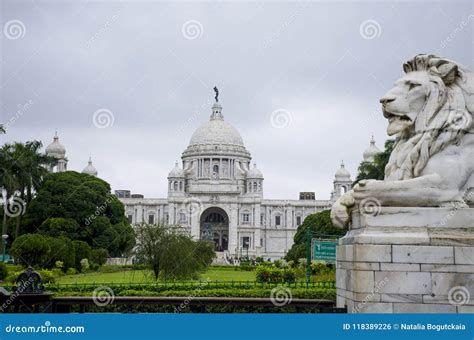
(221, 259)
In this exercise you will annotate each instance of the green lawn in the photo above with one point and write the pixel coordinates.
(141, 276)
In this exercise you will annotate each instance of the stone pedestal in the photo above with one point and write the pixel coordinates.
(408, 260)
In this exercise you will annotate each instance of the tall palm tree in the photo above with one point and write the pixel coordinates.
(8, 180)
(23, 167)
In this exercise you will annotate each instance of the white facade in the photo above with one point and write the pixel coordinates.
(218, 195)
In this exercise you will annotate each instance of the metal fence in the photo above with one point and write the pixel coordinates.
(163, 285)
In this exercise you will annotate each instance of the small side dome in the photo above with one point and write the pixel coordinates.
(342, 173)
(371, 151)
(56, 149)
(90, 169)
(254, 172)
(176, 171)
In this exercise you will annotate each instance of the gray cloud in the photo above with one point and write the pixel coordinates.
(133, 59)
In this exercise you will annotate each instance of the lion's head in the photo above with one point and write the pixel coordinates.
(427, 109)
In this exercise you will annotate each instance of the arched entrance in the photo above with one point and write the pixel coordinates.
(214, 227)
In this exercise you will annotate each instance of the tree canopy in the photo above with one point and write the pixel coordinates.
(171, 253)
(375, 170)
(80, 207)
(320, 224)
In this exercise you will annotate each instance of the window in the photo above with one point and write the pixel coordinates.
(182, 217)
(255, 186)
(246, 242)
(262, 219)
(167, 218)
(130, 218)
(298, 220)
(246, 218)
(277, 220)
(151, 219)
(175, 188)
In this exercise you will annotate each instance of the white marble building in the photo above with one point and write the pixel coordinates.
(217, 193)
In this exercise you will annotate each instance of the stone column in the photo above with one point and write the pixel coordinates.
(258, 245)
(195, 225)
(233, 228)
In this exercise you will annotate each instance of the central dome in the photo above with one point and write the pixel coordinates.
(216, 131)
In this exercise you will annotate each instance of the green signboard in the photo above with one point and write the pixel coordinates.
(323, 250)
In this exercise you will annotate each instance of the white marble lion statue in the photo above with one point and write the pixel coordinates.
(429, 110)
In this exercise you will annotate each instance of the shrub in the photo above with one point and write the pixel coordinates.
(57, 272)
(246, 268)
(94, 266)
(289, 275)
(3, 271)
(47, 275)
(321, 268)
(84, 265)
(62, 250)
(269, 274)
(82, 251)
(99, 256)
(30, 249)
(71, 271)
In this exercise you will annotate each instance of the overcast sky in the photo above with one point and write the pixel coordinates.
(148, 70)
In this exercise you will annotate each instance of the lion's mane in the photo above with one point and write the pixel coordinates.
(445, 118)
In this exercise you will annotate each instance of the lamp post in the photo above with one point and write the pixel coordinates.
(4, 240)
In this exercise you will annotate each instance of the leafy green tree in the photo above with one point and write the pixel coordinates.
(205, 252)
(170, 252)
(319, 224)
(81, 251)
(376, 170)
(99, 216)
(58, 226)
(31, 250)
